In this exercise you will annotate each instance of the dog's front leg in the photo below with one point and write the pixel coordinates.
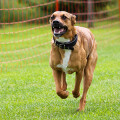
(78, 79)
(57, 77)
(63, 81)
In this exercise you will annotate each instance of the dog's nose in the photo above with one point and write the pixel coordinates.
(56, 22)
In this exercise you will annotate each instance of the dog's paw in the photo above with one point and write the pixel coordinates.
(63, 94)
(75, 94)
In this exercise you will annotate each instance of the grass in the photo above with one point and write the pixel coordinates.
(29, 92)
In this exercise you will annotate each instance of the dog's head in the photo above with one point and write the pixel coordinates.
(62, 22)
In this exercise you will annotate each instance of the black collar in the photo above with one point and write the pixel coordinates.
(66, 45)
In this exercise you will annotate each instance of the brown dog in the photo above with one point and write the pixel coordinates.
(73, 50)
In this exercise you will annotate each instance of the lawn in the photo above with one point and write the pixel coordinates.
(27, 92)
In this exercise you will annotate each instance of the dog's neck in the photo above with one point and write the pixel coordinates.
(66, 43)
(62, 39)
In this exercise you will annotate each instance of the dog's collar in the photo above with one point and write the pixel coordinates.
(66, 45)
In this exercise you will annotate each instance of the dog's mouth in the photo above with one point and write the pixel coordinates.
(59, 29)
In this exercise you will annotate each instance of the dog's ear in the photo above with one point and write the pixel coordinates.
(73, 19)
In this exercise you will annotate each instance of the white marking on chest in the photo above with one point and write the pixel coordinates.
(61, 39)
(66, 58)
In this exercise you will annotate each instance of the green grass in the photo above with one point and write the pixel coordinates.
(28, 91)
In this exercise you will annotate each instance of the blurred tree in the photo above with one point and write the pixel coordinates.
(90, 10)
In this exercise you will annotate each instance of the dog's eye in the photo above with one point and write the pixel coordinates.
(64, 17)
(52, 17)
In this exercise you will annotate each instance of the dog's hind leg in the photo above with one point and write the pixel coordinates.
(88, 75)
(63, 81)
(78, 79)
(57, 77)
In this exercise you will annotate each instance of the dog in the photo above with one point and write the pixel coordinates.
(73, 49)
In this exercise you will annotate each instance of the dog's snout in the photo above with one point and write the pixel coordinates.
(56, 22)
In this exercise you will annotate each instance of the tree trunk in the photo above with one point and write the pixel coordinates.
(90, 13)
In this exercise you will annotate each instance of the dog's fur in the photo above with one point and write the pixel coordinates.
(81, 60)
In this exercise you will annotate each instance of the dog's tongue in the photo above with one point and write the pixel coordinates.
(56, 30)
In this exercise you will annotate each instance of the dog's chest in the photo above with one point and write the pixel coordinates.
(64, 65)
(66, 58)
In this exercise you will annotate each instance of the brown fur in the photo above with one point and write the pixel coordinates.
(82, 60)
